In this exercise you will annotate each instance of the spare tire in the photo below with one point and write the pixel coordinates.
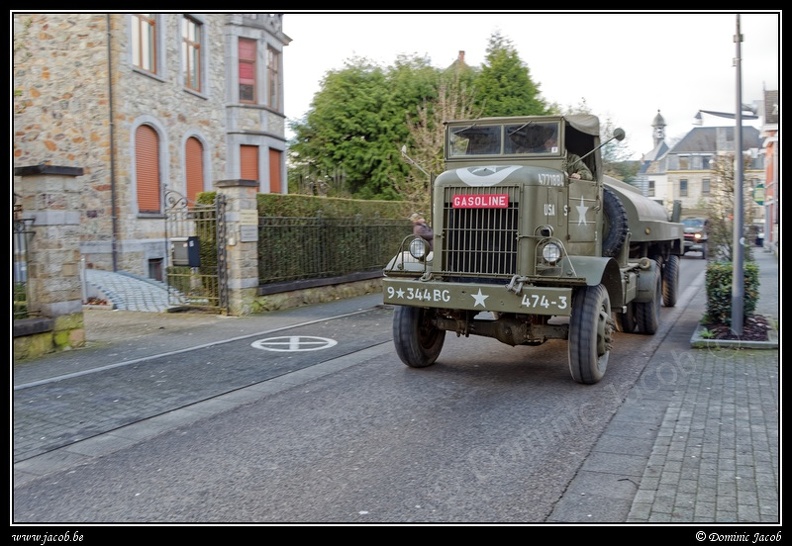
(615, 219)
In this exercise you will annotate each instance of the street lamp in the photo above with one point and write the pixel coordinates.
(738, 283)
(738, 288)
(698, 119)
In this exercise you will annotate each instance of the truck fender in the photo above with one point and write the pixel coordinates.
(599, 270)
(647, 275)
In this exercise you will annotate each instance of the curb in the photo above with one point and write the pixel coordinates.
(699, 342)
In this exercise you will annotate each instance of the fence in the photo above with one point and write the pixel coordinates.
(21, 233)
(290, 250)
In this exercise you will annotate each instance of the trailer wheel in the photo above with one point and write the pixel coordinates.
(418, 342)
(615, 220)
(590, 334)
(671, 280)
(647, 314)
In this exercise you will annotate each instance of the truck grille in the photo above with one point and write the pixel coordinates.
(480, 242)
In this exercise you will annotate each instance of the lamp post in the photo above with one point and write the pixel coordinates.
(738, 288)
(738, 283)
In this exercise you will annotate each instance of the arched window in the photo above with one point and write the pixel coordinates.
(149, 195)
(193, 160)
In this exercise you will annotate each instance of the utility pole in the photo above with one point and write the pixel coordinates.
(738, 282)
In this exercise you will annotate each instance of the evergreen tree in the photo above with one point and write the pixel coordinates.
(348, 143)
(504, 86)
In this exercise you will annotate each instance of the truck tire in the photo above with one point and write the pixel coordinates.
(615, 219)
(647, 314)
(671, 280)
(590, 334)
(418, 342)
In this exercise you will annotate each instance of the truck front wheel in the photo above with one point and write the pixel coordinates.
(418, 341)
(590, 334)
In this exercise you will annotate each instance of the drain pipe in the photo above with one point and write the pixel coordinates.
(113, 215)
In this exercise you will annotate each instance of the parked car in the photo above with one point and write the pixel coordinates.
(696, 236)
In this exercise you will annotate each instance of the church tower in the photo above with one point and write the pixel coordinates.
(659, 125)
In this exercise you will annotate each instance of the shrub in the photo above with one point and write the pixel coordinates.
(718, 281)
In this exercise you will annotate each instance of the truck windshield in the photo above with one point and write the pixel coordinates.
(528, 138)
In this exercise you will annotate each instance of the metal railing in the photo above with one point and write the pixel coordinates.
(20, 293)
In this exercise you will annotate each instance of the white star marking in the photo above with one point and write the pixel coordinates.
(479, 299)
(400, 293)
(581, 208)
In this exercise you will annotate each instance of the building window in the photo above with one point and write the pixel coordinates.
(247, 70)
(683, 188)
(684, 162)
(191, 53)
(651, 189)
(273, 81)
(193, 161)
(147, 173)
(144, 42)
(249, 162)
(696, 162)
(275, 171)
(705, 186)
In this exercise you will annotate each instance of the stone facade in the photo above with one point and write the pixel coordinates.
(79, 100)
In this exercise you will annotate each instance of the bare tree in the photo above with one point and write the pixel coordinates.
(454, 101)
(720, 207)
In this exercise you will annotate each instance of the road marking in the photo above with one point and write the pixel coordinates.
(294, 343)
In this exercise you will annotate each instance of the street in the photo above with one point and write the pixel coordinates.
(490, 433)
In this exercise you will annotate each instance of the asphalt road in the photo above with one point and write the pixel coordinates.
(489, 434)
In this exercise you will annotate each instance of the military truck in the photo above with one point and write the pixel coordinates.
(525, 253)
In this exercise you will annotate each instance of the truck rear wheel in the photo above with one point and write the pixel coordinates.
(671, 280)
(418, 342)
(590, 334)
(647, 314)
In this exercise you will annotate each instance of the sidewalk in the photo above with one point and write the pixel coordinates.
(695, 440)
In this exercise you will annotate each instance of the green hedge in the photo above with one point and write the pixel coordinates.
(301, 206)
(719, 291)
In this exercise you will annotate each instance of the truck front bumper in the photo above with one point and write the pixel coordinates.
(531, 300)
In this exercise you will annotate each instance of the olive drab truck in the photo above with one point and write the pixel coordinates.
(525, 253)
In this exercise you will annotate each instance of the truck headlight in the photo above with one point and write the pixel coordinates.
(419, 248)
(551, 253)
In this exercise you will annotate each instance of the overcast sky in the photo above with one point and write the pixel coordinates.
(626, 66)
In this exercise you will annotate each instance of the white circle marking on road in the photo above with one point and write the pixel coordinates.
(294, 343)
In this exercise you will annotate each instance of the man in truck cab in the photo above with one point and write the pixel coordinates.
(575, 167)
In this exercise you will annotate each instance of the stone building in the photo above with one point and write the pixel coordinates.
(144, 103)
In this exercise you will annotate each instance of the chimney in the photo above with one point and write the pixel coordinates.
(461, 57)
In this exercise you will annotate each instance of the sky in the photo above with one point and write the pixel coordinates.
(626, 66)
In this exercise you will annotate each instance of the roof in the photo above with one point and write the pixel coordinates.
(714, 139)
